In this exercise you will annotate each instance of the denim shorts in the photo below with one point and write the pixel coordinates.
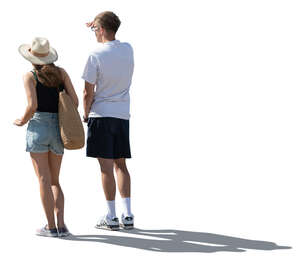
(43, 134)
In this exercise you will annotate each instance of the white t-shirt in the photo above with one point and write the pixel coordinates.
(110, 67)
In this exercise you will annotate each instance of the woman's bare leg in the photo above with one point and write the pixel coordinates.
(42, 170)
(55, 164)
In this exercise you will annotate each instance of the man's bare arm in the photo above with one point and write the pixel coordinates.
(88, 98)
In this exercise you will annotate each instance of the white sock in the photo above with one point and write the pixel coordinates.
(111, 209)
(126, 205)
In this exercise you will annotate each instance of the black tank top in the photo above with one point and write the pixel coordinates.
(47, 97)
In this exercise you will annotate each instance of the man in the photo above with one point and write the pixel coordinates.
(107, 74)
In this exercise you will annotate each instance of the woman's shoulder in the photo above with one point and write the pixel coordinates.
(28, 79)
(63, 72)
(28, 76)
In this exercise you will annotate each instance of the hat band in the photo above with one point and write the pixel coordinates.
(38, 54)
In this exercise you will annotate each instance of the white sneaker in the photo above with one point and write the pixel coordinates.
(108, 223)
(44, 231)
(127, 222)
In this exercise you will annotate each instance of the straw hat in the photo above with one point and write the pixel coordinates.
(39, 52)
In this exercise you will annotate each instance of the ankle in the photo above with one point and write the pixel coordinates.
(111, 210)
(61, 224)
(50, 226)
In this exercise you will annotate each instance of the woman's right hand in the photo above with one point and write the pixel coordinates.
(19, 122)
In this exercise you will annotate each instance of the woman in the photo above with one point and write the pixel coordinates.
(43, 137)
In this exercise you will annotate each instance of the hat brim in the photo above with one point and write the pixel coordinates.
(49, 59)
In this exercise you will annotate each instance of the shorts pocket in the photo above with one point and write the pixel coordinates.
(37, 132)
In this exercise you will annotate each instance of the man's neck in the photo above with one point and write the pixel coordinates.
(108, 39)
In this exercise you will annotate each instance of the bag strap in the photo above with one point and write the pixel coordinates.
(35, 76)
(61, 87)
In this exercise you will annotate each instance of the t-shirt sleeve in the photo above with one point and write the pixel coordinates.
(91, 69)
(132, 54)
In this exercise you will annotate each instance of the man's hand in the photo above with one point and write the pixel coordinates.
(19, 122)
(84, 119)
(89, 24)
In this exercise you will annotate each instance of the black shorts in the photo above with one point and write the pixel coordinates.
(108, 137)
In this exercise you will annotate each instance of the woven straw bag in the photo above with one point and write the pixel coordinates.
(71, 128)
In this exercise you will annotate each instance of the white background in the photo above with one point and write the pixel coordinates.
(214, 129)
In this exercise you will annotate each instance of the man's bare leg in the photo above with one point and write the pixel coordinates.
(123, 177)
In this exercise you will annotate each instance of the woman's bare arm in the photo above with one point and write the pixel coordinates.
(30, 89)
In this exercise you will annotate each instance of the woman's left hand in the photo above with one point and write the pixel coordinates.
(19, 122)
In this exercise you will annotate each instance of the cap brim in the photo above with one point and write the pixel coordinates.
(49, 59)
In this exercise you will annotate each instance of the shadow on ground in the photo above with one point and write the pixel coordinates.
(179, 241)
